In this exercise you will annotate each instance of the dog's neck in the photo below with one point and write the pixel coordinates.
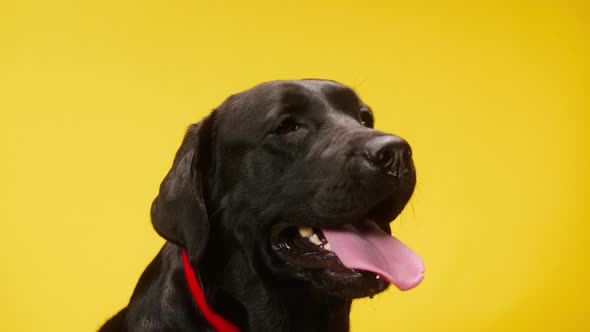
(214, 319)
(238, 296)
(242, 297)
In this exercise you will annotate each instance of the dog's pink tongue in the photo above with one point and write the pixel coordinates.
(371, 249)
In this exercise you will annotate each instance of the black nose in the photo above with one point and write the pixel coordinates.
(390, 154)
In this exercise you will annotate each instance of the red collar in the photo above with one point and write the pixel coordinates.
(218, 322)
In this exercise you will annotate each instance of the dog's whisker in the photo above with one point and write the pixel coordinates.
(302, 181)
(306, 181)
(358, 85)
(216, 212)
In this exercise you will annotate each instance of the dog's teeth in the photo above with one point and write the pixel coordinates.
(305, 231)
(377, 277)
(315, 240)
(328, 247)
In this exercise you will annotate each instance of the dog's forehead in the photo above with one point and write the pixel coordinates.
(248, 109)
(336, 95)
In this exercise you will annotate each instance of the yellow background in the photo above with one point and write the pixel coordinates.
(493, 96)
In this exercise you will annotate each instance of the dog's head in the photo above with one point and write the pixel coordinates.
(293, 174)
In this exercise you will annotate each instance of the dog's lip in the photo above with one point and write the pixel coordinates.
(344, 281)
(311, 256)
(301, 252)
(367, 247)
(280, 227)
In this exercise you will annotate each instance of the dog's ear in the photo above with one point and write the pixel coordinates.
(179, 213)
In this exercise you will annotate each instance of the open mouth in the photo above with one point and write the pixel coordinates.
(349, 249)
(306, 247)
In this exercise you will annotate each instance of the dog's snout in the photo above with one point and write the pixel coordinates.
(390, 154)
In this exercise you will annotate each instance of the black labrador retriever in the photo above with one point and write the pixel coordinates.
(278, 207)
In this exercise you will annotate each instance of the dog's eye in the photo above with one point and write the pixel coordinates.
(288, 125)
(366, 119)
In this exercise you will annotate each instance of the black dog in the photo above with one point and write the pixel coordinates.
(282, 199)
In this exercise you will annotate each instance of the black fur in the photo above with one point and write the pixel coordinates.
(281, 154)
